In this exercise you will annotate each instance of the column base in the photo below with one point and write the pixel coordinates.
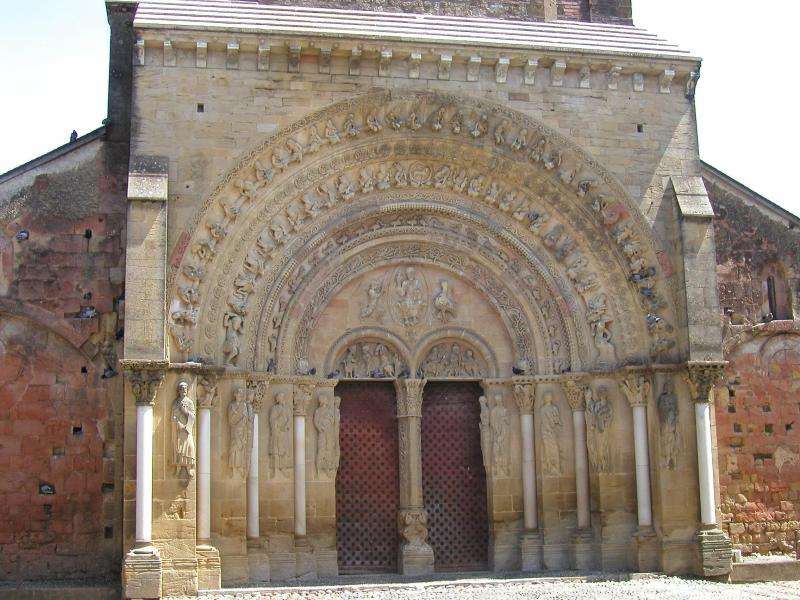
(716, 552)
(257, 562)
(531, 543)
(647, 550)
(305, 563)
(209, 570)
(416, 559)
(585, 551)
(142, 571)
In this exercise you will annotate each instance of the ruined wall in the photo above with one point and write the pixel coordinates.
(757, 413)
(61, 295)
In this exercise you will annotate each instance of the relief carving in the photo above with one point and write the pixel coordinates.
(280, 435)
(326, 421)
(552, 430)
(443, 303)
(599, 415)
(451, 359)
(667, 405)
(240, 432)
(369, 360)
(414, 528)
(497, 430)
(183, 418)
(409, 300)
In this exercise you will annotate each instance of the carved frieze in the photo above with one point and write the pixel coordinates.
(369, 359)
(452, 359)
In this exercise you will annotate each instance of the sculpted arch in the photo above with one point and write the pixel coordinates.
(393, 180)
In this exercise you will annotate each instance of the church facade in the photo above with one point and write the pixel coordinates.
(403, 292)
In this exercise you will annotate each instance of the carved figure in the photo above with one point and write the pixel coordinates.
(280, 434)
(599, 413)
(374, 123)
(409, 300)
(437, 119)
(395, 121)
(667, 405)
(500, 437)
(414, 123)
(326, 421)
(234, 325)
(365, 360)
(551, 434)
(240, 432)
(351, 129)
(183, 417)
(331, 134)
(457, 122)
(314, 141)
(486, 433)
(443, 302)
(480, 127)
(500, 133)
(374, 294)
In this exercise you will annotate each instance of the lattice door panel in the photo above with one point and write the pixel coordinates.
(453, 476)
(367, 488)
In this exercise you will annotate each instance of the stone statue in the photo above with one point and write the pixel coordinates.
(667, 405)
(183, 417)
(409, 300)
(486, 433)
(551, 434)
(240, 430)
(326, 422)
(280, 433)
(234, 325)
(500, 435)
(600, 413)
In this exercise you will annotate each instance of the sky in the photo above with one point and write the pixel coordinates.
(55, 71)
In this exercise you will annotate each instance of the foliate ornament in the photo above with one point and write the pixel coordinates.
(668, 413)
(575, 393)
(452, 359)
(599, 415)
(636, 389)
(409, 397)
(552, 429)
(525, 397)
(145, 384)
(280, 434)
(443, 304)
(327, 419)
(702, 376)
(240, 431)
(183, 418)
(364, 360)
(413, 525)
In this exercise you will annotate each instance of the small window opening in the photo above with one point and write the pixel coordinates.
(201, 107)
(731, 408)
(87, 234)
(789, 426)
(639, 128)
(108, 532)
(84, 370)
(768, 428)
(766, 408)
(77, 430)
(737, 427)
(771, 297)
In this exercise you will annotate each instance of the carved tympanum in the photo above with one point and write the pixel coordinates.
(363, 360)
(452, 359)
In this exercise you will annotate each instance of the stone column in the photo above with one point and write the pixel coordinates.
(531, 540)
(208, 564)
(304, 559)
(142, 568)
(416, 555)
(257, 559)
(715, 547)
(575, 393)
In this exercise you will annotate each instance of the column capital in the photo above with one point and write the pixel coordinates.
(302, 398)
(256, 392)
(636, 389)
(144, 384)
(525, 396)
(409, 397)
(575, 391)
(702, 376)
(207, 390)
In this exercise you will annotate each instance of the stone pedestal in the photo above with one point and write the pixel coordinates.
(141, 575)
(209, 574)
(327, 562)
(415, 560)
(531, 543)
(305, 563)
(716, 553)
(646, 550)
(585, 551)
(257, 563)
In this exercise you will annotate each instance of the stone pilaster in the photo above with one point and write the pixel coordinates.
(416, 555)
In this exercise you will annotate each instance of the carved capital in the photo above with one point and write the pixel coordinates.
(256, 392)
(207, 390)
(525, 396)
(302, 398)
(636, 389)
(702, 376)
(575, 393)
(145, 384)
(409, 397)
(413, 526)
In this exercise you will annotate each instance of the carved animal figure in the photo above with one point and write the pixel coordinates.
(443, 303)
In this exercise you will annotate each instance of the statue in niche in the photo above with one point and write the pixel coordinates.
(667, 405)
(240, 432)
(280, 434)
(183, 417)
(600, 413)
(500, 437)
(372, 309)
(234, 325)
(326, 421)
(443, 302)
(409, 297)
(551, 434)
(486, 433)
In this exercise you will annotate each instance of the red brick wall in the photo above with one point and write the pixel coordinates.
(61, 291)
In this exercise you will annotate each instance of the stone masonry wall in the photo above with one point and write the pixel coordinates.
(61, 296)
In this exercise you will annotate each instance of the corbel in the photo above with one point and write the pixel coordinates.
(355, 62)
(445, 64)
(294, 58)
(473, 68)
(232, 58)
(691, 83)
(557, 73)
(169, 54)
(585, 77)
(384, 63)
(501, 69)
(638, 82)
(613, 76)
(138, 55)
(201, 54)
(414, 61)
(530, 70)
(665, 81)
(324, 64)
(263, 56)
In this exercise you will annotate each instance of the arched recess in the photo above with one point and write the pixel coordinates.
(347, 357)
(567, 255)
(446, 339)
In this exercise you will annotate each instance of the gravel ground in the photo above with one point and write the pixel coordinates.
(652, 587)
